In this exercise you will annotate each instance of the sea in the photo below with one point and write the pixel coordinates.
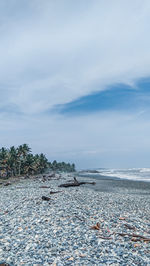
(134, 174)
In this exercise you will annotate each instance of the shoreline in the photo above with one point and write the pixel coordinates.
(58, 231)
(108, 184)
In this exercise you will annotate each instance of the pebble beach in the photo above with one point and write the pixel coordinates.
(77, 226)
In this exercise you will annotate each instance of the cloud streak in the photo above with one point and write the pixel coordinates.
(56, 52)
(53, 53)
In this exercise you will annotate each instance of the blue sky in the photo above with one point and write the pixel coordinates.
(75, 80)
(118, 97)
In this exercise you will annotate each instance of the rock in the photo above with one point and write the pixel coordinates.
(136, 245)
(82, 255)
(71, 259)
(45, 198)
(122, 218)
(7, 184)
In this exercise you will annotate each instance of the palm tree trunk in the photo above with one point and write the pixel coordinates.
(19, 168)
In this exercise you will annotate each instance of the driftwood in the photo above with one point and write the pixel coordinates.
(130, 227)
(7, 184)
(140, 237)
(76, 183)
(105, 237)
(44, 187)
(81, 219)
(52, 176)
(95, 227)
(54, 192)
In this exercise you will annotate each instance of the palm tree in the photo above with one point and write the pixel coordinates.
(20, 160)
(4, 161)
(43, 162)
(13, 160)
(25, 150)
(28, 165)
(22, 151)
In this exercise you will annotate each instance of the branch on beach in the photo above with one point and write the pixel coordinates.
(54, 192)
(130, 227)
(44, 187)
(135, 237)
(7, 184)
(105, 237)
(95, 227)
(76, 183)
(81, 219)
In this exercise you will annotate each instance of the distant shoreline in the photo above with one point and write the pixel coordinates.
(112, 184)
(133, 174)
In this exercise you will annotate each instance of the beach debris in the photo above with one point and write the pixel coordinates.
(51, 176)
(76, 183)
(136, 237)
(44, 187)
(54, 192)
(128, 226)
(45, 198)
(81, 219)
(136, 245)
(7, 184)
(105, 237)
(96, 227)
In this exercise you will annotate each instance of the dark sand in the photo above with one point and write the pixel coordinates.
(117, 185)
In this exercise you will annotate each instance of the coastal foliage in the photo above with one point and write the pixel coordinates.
(64, 167)
(20, 161)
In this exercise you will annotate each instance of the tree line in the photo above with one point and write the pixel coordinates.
(20, 161)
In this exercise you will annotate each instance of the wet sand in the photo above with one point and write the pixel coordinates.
(117, 185)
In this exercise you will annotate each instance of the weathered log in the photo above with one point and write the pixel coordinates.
(84, 183)
(69, 185)
(75, 180)
(81, 219)
(45, 187)
(105, 237)
(128, 226)
(95, 227)
(76, 183)
(54, 192)
(145, 238)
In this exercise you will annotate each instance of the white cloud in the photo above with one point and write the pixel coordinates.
(53, 52)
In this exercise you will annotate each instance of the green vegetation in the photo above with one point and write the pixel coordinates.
(64, 167)
(20, 161)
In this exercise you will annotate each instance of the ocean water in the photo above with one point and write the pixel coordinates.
(135, 174)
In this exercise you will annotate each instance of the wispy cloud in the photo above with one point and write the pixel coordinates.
(56, 52)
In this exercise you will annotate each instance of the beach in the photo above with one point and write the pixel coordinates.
(103, 224)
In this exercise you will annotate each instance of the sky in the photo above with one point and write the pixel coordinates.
(75, 80)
